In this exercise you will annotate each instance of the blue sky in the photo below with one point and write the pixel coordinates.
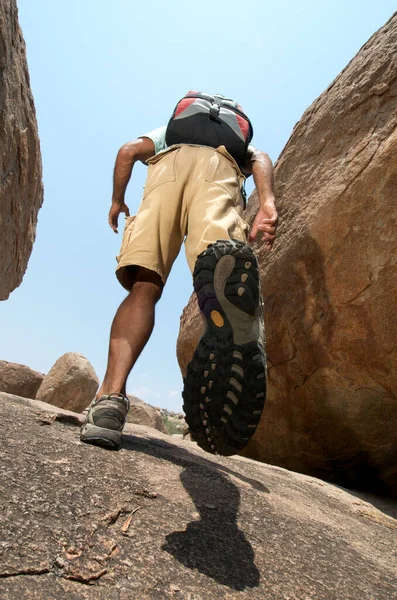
(103, 73)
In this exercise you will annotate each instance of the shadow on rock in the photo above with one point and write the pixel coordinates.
(213, 544)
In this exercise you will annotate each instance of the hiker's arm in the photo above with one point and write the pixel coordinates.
(140, 149)
(260, 166)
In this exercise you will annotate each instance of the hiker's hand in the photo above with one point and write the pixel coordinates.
(265, 223)
(114, 212)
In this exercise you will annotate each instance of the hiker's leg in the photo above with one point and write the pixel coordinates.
(131, 329)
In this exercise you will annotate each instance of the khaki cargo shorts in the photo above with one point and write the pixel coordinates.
(192, 194)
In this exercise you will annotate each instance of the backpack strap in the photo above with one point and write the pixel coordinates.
(244, 194)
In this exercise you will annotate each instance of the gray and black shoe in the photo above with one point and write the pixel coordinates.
(104, 422)
(225, 385)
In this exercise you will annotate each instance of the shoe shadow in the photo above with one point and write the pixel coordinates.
(213, 543)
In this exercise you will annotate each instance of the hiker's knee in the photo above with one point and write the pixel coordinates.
(147, 283)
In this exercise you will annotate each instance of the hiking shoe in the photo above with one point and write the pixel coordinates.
(225, 385)
(104, 422)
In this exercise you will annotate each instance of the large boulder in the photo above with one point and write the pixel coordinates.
(21, 189)
(162, 520)
(145, 414)
(71, 383)
(19, 379)
(330, 283)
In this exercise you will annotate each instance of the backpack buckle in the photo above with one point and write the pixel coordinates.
(214, 111)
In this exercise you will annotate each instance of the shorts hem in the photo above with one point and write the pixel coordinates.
(127, 281)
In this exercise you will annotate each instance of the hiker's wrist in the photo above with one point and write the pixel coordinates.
(118, 200)
(267, 202)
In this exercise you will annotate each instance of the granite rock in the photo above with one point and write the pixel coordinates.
(330, 284)
(161, 519)
(71, 383)
(19, 380)
(142, 413)
(21, 189)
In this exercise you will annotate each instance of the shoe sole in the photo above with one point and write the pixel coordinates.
(99, 436)
(225, 385)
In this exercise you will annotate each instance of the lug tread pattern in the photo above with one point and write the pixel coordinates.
(225, 387)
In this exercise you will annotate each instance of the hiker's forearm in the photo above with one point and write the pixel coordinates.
(263, 173)
(125, 161)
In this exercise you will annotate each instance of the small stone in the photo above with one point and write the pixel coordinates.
(60, 562)
(43, 421)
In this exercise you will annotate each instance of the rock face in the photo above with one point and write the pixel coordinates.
(160, 520)
(144, 414)
(19, 380)
(71, 383)
(330, 283)
(21, 190)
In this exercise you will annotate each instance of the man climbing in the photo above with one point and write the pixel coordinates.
(197, 166)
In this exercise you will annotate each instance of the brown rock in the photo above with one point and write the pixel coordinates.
(71, 383)
(21, 189)
(145, 414)
(19, 380)
(160, 519)
(330, 283)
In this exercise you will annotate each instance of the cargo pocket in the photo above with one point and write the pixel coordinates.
(128, 228)
(161, 169)
(223, 173)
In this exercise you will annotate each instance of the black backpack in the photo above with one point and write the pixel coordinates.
(210, 121)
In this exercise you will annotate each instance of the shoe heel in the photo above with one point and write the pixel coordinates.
(99, 436)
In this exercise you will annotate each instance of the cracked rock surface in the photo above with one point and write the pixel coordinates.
(21, 189)
(330, 284)
(161, 519)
